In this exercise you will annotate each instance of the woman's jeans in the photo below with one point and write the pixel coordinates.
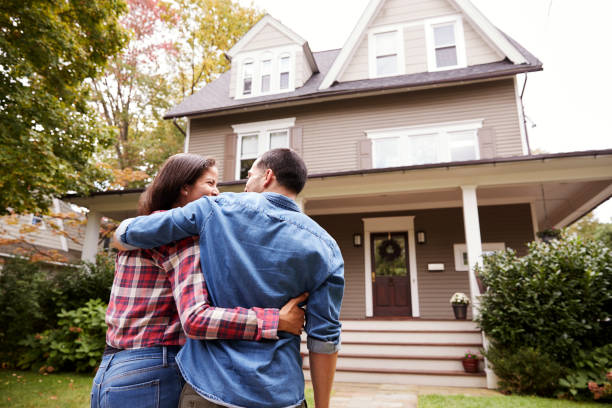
(138, 378)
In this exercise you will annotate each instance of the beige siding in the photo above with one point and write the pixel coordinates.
(268, 37)
(233, 79)
(444, 227)
(302, 69)
(332, 131)
(415, 12)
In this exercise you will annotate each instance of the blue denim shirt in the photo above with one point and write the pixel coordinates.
(257, 250)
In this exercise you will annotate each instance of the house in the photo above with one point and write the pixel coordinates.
(56, 238)
(419, 161)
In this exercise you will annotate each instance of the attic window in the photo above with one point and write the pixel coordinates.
(445, 43)
(247, 82)
(385, 52)
(266, 75)
(284, 67)
(265, 72)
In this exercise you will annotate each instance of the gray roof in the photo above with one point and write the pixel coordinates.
(214, 97)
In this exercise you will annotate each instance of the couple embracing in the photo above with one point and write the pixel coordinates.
(228, 271)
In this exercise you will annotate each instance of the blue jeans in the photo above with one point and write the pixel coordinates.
(143, 378)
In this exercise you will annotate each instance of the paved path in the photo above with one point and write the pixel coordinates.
(352, 395)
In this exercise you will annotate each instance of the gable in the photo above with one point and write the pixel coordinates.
(267, 37)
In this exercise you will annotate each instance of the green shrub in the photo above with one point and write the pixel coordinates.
(591, 367)
(32, 294)
(558, 298)
(76, 344)
(525, 370)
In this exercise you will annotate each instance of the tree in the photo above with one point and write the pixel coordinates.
(47, 132)
(588, 227)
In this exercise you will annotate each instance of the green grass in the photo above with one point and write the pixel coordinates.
(26, 389)
(512, 401)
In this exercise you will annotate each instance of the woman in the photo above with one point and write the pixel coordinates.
(159, 295)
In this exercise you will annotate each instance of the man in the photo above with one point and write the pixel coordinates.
(258, 250)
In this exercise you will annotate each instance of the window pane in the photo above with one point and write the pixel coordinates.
(266, 67)
(386, 43)
(265, 83)
(386, 152)
(444, 35)
(386, 65)
(446, 57)
(279, 139)
(284, 80)
(245, 166)
(422, 149)
(249, 146)
(463, 146)
(463, 153)
(284, 64)
(248, 82)
(248, 78)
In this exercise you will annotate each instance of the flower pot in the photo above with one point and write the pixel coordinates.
(470, 365)
(460, 311)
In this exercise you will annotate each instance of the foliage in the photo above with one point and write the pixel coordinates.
(460, 299)
(590, 371)
(470, 356)
(47, 131)
(76, 344)
(588, 227)
(32, 294)
(524, 370)
(568, 282)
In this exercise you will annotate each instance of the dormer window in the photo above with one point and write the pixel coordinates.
(247, 81)
(266, 75)
(445, 43)
(284, 69)
(385, 49)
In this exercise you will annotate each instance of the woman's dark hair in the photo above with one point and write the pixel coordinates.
(179, 170)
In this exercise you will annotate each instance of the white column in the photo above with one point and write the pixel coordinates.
(472, 240)
(92, 235)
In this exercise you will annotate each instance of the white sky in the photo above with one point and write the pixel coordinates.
(569, 102)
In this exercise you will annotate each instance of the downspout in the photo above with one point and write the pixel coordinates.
(525, 117)
(183, 130)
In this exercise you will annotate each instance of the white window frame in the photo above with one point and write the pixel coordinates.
(243, 76)
(401, 68)
(442, 130)
(457, 21)
(262, 130)
(266, 57)
(41, 221)
(460, 249)
(257, 57)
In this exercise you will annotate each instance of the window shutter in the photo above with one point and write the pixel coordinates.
(486, 142)
(365, 154)
(229, 160)
(295, 139)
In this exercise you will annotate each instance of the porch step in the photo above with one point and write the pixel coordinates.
(420, 352)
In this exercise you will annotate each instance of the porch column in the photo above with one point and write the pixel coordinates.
(92, 235)
(472, 240)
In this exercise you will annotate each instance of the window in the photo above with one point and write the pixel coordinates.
(247, 81)
(445, 43)
(461, 255)
(256, 138)
(386, 53)
(38, 221)
(425, 144)
(266, 75)
(284, 69)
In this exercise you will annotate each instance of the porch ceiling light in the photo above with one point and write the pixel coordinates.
(421, 237)
(357, 240)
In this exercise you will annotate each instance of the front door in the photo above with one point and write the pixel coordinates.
(390, 277)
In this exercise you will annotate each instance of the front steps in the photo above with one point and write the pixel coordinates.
(418, 352)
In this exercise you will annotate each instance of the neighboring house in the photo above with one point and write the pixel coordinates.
(419, 161)
(47, 238)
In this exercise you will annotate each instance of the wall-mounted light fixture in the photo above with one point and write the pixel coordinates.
(357, 240)
(421, 237)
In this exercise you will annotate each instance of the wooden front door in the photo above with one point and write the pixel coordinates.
(390, 277)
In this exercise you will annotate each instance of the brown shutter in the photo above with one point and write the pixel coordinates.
(229, 160)
(486, 142)
(365, 154)
(295, 139)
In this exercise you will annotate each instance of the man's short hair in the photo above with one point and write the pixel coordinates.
(288, 167)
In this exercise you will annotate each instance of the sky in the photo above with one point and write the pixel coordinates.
(567, 105)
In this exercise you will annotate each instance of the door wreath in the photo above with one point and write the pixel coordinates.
(389, 250)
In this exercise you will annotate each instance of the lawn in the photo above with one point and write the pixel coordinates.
(512, 401)
(26, 389)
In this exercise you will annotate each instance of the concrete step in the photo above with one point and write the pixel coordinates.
(377, 362)
(409, 325)
(412, 377)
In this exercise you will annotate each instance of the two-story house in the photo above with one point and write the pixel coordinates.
(418, 161)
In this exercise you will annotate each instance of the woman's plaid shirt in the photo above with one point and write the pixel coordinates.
(159, 295)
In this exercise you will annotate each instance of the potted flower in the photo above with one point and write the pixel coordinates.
(549, 234)
(460, 302)
(470, 362)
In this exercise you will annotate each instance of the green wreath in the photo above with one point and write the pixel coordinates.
(389, 250)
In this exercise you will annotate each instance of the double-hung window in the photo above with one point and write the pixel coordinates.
(266, 75)
(284, 70)
(256, 138)
(247, 78)
(450, 142)
(445, 43)
(385, 52)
